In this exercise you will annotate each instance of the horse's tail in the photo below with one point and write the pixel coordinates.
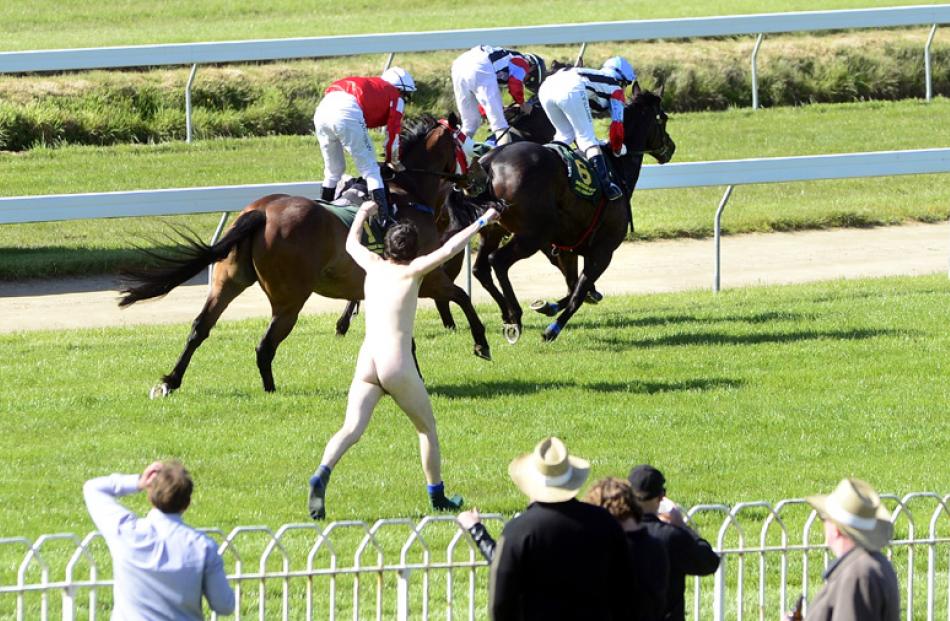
(183, 262)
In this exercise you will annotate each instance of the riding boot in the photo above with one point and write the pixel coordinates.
(611, 189)
(327, 194)
(385, 214)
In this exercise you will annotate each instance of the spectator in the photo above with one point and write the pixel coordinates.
(161, 566)
(560, 558)
(860, 585)
(688, 553)
(648, 556)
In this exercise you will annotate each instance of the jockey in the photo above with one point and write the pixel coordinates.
(567, 98)
(348, 107)
(477, 76)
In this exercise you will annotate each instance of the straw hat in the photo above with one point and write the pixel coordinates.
(856, 509)
(549, 474)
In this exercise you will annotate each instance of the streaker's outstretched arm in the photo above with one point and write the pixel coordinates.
(360, 253)
(426, 263)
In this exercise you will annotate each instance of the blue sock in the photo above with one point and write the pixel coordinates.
(321, 477)
(437, 489)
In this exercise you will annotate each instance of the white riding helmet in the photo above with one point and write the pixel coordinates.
(400, 78)
(620, 67)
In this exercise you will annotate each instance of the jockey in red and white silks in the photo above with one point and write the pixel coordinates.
(477, 76)
(567, 98)
(348, 108)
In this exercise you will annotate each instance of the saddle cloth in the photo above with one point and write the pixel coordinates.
(372, 235)
(579, 173)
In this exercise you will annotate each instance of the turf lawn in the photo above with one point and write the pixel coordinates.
(753, 394)
(97, 246)
(51, 24)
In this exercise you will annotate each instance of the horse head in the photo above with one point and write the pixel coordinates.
(427, 145)
(644, 125)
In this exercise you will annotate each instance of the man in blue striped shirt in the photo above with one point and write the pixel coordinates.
(161, 566)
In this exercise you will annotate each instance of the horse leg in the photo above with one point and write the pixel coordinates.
(593, 268)
(458, 295)
(283, 319)
(343, 323)
(446, 314)
(439, 286)
(482, 270)
(566, 262)
(228, 283)
(501, 261)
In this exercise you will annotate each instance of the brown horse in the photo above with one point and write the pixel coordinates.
(543, 212)
(294, 246)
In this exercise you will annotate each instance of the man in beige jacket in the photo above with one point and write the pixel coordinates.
(861, 584)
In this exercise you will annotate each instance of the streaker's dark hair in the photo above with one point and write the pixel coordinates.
(401, 243)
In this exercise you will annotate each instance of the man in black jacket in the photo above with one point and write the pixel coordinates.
(689, 554)
(561, 558)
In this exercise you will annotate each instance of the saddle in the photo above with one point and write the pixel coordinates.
(354, 194)
(580, 176)
(345, 208)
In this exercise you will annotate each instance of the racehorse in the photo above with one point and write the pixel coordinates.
(294, 246)
(542, 211)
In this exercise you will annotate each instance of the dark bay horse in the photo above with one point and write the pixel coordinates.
(543, 212)
(294, 246)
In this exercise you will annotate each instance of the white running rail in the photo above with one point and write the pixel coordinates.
(403, 569)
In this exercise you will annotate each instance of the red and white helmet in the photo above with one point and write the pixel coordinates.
(400, 78)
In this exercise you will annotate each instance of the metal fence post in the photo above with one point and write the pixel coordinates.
(717, 228)
(468, 270)
(755, 75)
(927, 75)
(191, 80)
(402, 594)
(214, 240)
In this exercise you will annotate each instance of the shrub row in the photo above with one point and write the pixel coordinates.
(104, 108)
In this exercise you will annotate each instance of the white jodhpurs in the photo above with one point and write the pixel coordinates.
(339, 124)
(564, 100)
(474, 83)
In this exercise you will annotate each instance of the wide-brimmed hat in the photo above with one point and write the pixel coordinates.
(856, 509)
(549, 473)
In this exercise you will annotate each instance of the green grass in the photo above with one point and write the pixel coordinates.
(117, 107)
(752, 394)
(96, 246)
(755, 394)
(44, 24)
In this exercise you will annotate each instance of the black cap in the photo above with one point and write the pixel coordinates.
(647, 482)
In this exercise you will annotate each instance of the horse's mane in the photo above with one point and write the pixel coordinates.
(415, 129)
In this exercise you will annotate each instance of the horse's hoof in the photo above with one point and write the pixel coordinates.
(594, 296)
(512, 332)
(450, 327)
(159, 391)
(548, 309)
(483, 352)
(550, 333)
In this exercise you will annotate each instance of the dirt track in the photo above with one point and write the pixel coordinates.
(756, 259)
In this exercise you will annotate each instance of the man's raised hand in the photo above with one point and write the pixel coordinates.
(149, 473)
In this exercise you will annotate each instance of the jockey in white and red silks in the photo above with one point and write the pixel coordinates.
(348, 108)
(477, 78)
(567, 98)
